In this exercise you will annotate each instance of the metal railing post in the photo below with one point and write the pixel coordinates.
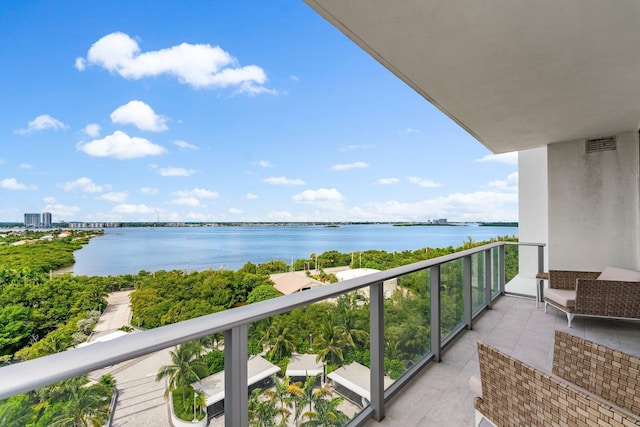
(376, 314)
(236, 396)
(487, 278)
(436, 344)
(540, 270)
(466, 291)
(501, 267)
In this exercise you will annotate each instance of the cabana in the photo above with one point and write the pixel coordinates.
(353, 381)
(259, 372)
(302, 365)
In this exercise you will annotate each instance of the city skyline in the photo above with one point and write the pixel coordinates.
(215, 111)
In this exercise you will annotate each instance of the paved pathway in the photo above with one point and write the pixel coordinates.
(141, 401)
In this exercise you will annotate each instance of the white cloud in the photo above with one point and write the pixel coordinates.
(386, 181)
(281, 180)
(58, 210)
(83, 185)
(184, 145)
(198, 65)
(149, 190)
(410, 131)
(235, 211)
(199, 193)
(25, 166)
(117, 197)
(49, 200)
(92, 130)
(119, 145)
(344, 167)
(508, 158)
(176, 172)
(252, 90)
(251, 196)
(354, 147)
(426, 183)
(133, 209)
(510, 184)
(476, 206)
(12, 184)
(294, 78)
(186, 201)
(140, 115)
(263, 164)
(319, 195)
(279, 216)
(43, 122)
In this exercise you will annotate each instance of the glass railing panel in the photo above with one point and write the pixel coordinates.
(61, 403)
(309, 358)
(477, 281)
(407, 323)
(511, 253)
(451, 297)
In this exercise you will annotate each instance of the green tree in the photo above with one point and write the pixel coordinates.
(186, 367)
(262, 410)
(280, 337)
(86, 406)
(326, 413)
(330, 343)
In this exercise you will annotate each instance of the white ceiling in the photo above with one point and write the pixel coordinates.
(516, 74)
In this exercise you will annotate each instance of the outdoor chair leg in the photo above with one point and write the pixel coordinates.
(570, 317)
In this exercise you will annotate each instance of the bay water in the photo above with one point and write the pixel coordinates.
(129, 250)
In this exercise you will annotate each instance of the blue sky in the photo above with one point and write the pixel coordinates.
(222, 111)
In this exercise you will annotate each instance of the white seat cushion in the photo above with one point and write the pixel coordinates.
(475, 384)
(563, 297)
(622, 274)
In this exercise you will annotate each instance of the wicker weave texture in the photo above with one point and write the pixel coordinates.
(607, 298)
(566, 279)
(516, 394)
(610, 374)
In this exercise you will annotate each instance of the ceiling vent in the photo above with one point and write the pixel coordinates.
(600, 144)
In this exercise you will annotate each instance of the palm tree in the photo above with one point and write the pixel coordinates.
(330, 342)
(280, 393)
(281, 339)
(348, 322)
(262, 412)
(16, 411)
(326, 414)
(186, 368)
(87, 406)
(295, 400)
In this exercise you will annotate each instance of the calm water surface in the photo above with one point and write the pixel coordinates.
(129, 250)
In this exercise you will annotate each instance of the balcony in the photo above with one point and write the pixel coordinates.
(465, 289)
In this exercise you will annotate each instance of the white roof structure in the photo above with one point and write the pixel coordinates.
(356, 378)
(301, 365)
(289, 283)
(258, 368)
(390, 286)
(515, 74)
(102, 338)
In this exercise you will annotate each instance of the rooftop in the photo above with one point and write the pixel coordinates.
(439, 395)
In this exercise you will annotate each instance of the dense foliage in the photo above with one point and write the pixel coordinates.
(74, 402)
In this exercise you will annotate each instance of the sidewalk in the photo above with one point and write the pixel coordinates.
(141, 401)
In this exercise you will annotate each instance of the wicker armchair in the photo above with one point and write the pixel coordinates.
(592, 385)
(613, 293)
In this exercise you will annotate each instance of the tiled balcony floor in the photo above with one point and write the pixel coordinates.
(440, 396)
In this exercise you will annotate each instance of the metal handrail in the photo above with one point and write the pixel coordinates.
(31, 374)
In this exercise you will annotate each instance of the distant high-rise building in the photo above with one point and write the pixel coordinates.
(32, 220)
(46, 219)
